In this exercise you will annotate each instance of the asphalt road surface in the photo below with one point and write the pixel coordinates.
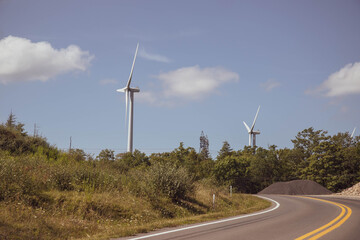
(290, 217)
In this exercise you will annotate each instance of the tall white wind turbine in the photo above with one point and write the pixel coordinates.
(252, 133)
(129, 94)
(353, 132)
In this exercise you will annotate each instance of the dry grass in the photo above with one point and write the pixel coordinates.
(79, 215)
(45, 199)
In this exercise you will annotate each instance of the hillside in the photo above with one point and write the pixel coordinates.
(46, 193)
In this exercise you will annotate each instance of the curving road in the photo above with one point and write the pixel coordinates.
(290, 217)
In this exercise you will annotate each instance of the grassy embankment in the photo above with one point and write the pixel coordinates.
(44, 199)
(46, 193)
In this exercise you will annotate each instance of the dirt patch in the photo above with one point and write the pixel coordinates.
(351, 191)
(296, 187)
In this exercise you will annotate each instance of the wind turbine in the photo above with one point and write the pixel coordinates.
(129, 94)
(252, 133)
(352, 135)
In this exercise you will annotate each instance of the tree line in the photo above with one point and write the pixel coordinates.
(332, 161)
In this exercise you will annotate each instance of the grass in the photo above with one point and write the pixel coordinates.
(67, 198)
(81, 215)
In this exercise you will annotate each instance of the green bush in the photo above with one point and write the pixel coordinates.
(126, 161)
(18, 179)
(170, 180)
(89, 177)
(62, 178)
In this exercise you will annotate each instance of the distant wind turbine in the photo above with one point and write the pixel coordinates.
(252, 133)
(129, 94)
(352, 135)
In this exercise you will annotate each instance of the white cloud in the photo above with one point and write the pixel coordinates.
(270, 85)
(153, 57)
(194, 82)
(108, 81)
(344, 82)
(188, 83)
(145, 96)
(23, 60)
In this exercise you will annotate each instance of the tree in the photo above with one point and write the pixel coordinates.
(12, 124)
(11, 121)
(304, 144)
(343, 140)
(325, 166)
(196, 164)
(128, 160)
(287, 162)
(233, 170)
(78, 154)
(106, 155)
(264, 167)
(308, 139)
(224, 151)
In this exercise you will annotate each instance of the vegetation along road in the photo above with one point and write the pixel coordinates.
(290, 217)
(49, 193)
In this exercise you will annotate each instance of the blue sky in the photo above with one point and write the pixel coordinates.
(202, 66)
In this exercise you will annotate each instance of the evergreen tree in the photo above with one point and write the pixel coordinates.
(11, 122)
(225, 151)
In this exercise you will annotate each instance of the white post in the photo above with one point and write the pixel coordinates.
(130, 130)
(230, 191)
(249, 139)
(214, 200)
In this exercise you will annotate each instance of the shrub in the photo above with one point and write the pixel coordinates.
(17, 179)
(106, 155)
(88, 177)
(62, 178)
(170, 180)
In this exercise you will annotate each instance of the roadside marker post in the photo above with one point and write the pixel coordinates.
(214, 201)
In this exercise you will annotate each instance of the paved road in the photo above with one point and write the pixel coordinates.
(294, 218)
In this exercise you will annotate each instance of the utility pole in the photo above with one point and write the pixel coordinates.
(36, 130)
(70, 146)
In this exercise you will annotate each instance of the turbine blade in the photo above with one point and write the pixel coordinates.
(253, 125)
(247, 127)
(352, 135)
(132, 68)
(126, 103)
(121, 90)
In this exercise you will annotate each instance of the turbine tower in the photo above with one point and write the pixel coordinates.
(252, 133)
(129, 95)
(352, 135)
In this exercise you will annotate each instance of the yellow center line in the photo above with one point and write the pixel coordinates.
(343, 211)
(335, 226)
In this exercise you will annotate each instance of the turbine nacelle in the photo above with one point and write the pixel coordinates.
(128, 89)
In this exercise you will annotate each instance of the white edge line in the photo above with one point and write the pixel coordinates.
(215, 222)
